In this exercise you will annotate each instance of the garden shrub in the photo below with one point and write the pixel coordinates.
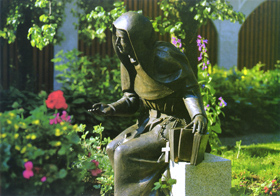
(252, 97)
(42, 154)
(20, 99)
(88, 80)
(37, 156)
(95, 147)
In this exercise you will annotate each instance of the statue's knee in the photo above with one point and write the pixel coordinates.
(120, 152)
(110, 149)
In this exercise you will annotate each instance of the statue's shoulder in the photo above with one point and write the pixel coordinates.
(169, 62)
(167, 50)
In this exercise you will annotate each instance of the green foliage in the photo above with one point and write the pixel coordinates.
(45, 17)
(208, 92)
(218, 9)
(101, 17)
(256, 170)
(13, 98)
(252, 96)
(164, 184)
(96, 148)
(173, 22)
(51, 148)
(183, 18)
(86, 81)
(61, 154)
(41, 37)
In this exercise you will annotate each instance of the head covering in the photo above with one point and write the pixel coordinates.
(161, 70)
(140, 32)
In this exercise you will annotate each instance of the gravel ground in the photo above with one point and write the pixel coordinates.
(251, 139)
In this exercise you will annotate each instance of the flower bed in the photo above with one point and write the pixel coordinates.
(43, 154)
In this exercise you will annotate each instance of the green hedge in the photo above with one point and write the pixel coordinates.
(252, 96)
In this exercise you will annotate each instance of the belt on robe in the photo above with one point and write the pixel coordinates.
(156, 114)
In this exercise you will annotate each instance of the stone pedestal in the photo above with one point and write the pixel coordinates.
(212, 177)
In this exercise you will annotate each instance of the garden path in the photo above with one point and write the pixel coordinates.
(256, 138)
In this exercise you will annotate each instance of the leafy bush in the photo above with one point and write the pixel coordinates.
(20, 99)
(43, 154)
(37, 156)
(252, 97)
(95, 147)
(88, 80)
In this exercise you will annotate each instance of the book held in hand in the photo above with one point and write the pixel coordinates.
(186, 146)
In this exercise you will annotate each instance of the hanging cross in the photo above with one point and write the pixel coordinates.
(166, 150)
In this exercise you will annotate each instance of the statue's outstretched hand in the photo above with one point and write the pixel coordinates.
(101, 109)
(199, 124)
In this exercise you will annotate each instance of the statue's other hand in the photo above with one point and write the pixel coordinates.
(199, 124)
(101, 109)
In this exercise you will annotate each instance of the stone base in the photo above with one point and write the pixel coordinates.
(212, 177)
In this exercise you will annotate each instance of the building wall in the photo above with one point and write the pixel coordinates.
(228, 33)
(259, 37)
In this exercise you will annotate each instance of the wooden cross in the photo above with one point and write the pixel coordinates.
(166, 150)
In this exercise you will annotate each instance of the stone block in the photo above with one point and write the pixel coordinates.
(211, 177)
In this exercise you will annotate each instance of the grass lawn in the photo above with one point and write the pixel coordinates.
(255, 168)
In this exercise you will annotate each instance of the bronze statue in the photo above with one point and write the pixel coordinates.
(156, 77)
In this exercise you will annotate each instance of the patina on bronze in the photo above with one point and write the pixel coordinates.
(157, 76)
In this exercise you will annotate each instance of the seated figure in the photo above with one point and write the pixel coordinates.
(156, 77)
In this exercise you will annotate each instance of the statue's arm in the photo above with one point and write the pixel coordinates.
(194, 105)
(125, 106)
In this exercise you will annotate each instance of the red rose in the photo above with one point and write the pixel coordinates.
(56, 100)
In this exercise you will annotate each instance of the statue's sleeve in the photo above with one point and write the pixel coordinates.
(128, 74)
(129, 103)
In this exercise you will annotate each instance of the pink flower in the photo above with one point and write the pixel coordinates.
(58, 119)
(27, 173)
(273, 181)
(96, 171)
(266, 191)
(205, 107)
(65, 117)
(222, 103)
(180, 45)
(43, 179)
(204, 67)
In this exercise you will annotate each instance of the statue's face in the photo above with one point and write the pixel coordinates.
(122, 42)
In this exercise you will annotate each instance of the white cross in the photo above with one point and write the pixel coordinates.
(166, 150)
